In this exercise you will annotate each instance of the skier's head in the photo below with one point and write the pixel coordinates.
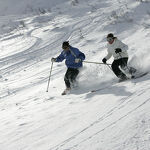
(110, 38)
(65, 45)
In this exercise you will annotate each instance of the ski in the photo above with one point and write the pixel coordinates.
(140, 75)
(135, 76)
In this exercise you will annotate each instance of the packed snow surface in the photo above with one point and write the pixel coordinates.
(117, 117)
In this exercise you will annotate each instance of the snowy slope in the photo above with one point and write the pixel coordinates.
(28, 6)
(117, 117)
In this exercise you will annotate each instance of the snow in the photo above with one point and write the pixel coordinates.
(117, 117)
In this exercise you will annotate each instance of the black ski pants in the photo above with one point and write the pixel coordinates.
(70, 76)
(122, 62)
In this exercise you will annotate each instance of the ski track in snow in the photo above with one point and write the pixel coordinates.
(124, 102)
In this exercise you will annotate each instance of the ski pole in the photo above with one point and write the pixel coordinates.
(49, 77)
(109, 67)
(95, 63)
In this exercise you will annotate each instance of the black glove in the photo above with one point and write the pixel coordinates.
(53, 60)
(104, 60)
(118, 50)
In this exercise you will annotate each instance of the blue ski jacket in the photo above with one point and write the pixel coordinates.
(70, 57)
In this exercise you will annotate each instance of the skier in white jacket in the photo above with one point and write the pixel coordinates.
(118, 50)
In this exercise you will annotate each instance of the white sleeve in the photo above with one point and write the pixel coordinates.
(108, 55)
(123, 46)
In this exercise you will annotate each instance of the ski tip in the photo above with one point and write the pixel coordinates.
(132, 77)
(139, 76)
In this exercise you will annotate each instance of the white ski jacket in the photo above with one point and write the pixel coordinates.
(111, 50)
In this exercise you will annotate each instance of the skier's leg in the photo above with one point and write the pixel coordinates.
(116, 69)
(123, 65)
(67, 82)
(70, 75)
(126, 68)
(67, 77)
(132, 70)
(73, 75)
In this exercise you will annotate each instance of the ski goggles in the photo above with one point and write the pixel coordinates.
(109, 39)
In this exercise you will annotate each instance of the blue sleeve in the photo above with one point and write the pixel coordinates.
(80, 55)
(60, 58)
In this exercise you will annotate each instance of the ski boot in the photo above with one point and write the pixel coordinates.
(66, 91)
(123, 78)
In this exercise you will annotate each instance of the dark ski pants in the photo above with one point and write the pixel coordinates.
(122, 62)
(70, 76)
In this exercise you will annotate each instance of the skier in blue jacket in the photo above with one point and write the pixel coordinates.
(74, 58)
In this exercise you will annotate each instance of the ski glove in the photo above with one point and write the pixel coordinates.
(104, 60)
(118, 50)
(77, 60)
(53, 60)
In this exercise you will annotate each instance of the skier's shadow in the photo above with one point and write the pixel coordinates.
(104, 88)
(108, 87)
(117, 89)
(111, 90)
